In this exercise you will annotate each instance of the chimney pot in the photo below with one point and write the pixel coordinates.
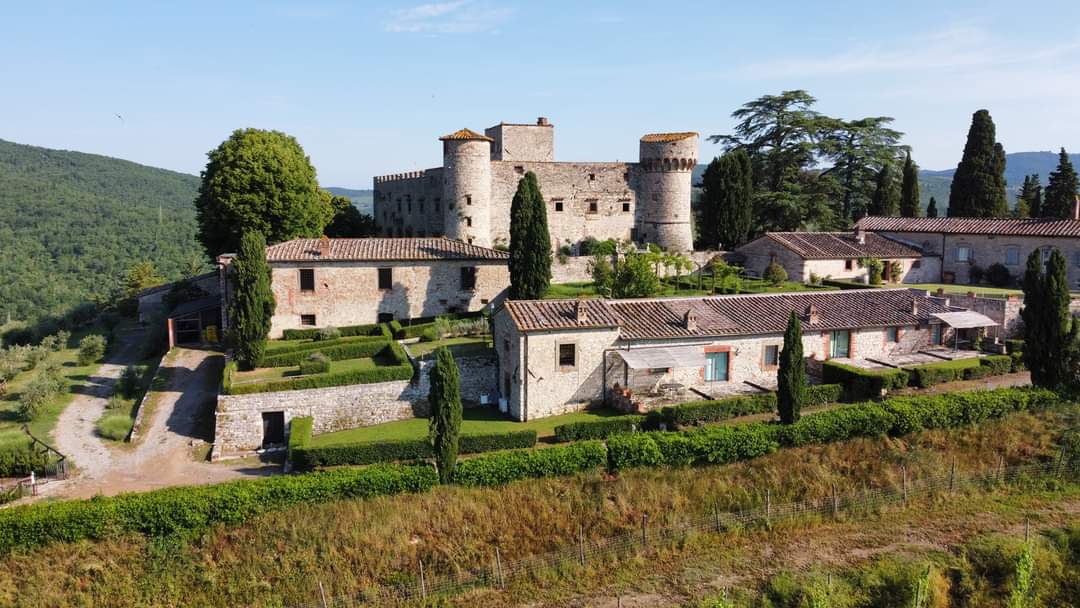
(581, 311)
(860, 234)
(324, 247)
(542, 121)
(690, 320)
(812, 316)
(915, 307)
(1076, 209)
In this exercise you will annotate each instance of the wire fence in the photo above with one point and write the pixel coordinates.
(428, 585)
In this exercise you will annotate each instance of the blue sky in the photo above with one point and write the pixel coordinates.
(367, 87)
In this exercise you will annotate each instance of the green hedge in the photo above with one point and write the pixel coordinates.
(184, 509)
(1014, 345)
(370, 452)
(504, 467)
(599, 429)
(858, 420)
(911, 414)
(699, 412)
(415, 331)
(348, 330)
(862, 384)
(998, 364)
(19, 461)
(708, 445)
(282, 349)
(300, 429)
(402, 370)
(337, 352)
(975, 373)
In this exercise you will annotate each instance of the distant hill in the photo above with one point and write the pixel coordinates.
(71, 224)
(363, 199)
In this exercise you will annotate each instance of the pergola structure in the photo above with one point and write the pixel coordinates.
(965, 319)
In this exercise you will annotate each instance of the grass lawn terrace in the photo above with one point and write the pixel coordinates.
(460, 347)
(267, 374)
(476, 420)
(982, 290)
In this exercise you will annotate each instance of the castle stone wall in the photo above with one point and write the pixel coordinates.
(410, 204)
(522, 142)
(467, 190)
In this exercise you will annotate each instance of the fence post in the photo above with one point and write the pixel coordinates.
(952, 475)
(716, 518)
(1060, 463)
(1000, 469)
(768, 507)
(498, 566)
(322, 594)
(423, 584)
(1027, 529)
(644, 529)
(581, 545)
(903, 481)
(835, 502)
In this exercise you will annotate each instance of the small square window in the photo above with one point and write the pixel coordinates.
(307, 279)
(592, 177)
(468, 199)
(849, 264)
(963, 254)
(307, 320)
(892, 335)
(386, 278)
(468, 222)
(468, 278)
(519, 169)
(567, 355)
(558, 205)
(626, 207)
(1012, 255)
(772, 355)
(658, 371)
(594, 206)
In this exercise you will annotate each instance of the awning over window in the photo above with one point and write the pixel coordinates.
(665, 356)
(967, 319)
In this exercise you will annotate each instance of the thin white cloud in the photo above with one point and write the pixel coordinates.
(455, 17)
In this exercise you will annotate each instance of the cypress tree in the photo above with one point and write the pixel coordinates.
(727, 213)
(791, 375)
(886, 200)
(530, 241)
(931, 209)
(1050, 334)
(978, 186)
(909, 191)
(1029, 201)
(1061, 190)
(253, 301)
(444, 427)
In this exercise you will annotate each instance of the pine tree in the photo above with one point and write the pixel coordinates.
(444, 398)
(931, 209)
(909, 191)
(253, 301)
(1061, 190)
(1051, 336)
(791, 375)
(726, 210)
(530, 242)
(978, 186)
(1028, 202)
(886, 201)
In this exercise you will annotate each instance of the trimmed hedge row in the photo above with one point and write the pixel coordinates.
(504, 467)
(599, 429)
(402, 370)
(272, 350)
(339, 352)
(698, 412)
(370, 452)
(19, 461)
(929, 374)
(190, 508)
(300, 430)
(709, 445)
(998, 364)
(346, 331)
(861, 383)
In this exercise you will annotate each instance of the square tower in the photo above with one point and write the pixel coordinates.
(521, 142)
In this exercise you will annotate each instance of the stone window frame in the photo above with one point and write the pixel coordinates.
(765, 365)
(969, 258)
(310, 274)
(468, 278)
(304, 320)
(558, 204)
(559, 356)
(625, 206)
(593, 206)
(1012, 248)
(389, 276)
(892, 335)
(723, 348)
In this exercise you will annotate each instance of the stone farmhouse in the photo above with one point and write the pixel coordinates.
(338, 282)
(951, 246)
(468, 198)
(834, 255)
(556, 356)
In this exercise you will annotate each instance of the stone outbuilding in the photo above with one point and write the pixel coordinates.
(835, 255)
(557, 356)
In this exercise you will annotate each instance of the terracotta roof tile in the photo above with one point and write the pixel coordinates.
(659, 138)
(381, 249)
(464, 134)
(534, 315)
(972, 225)
(831, 245)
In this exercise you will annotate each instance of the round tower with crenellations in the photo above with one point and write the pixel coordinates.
(667, 161)
(467, 187)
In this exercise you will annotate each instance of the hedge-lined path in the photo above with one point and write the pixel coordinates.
(163, 454)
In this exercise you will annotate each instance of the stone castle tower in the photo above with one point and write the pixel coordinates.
(468, 197)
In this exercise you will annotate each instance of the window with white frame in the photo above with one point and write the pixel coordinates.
(963, 253)
(1012, 255)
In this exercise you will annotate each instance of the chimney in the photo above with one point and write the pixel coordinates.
(860, 234)
(1076, 209)
(690, 320)
(581, 312)
(542, 121)
(812, 316)
(324, 247)
(915, 306)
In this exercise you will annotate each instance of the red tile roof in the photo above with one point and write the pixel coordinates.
(463, 134)
(382, 250)
(659, 138)
(732, 315)
(832, 245)
(972, 225)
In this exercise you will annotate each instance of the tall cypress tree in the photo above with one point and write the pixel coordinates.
(931, 209)
(1029, 201)
(909, 191)
(1061, 190)
(253, 301)
(791, 375)
(444, 397)
(530, 241)
(978, 186)
(727, 212)
(886, 200)
(1051, 341)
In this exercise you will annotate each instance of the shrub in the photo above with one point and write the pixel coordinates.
(775, 273)
(1014, 345)
(19, 461)
(91, 349)
(698, 412)
(598, 429)
(975, 274)
(861, 383)
(504, 467)
(709, 445)
(924, 376)
(633, 451)
(40, 391)
(823, 394)
(395, 328)
(974, 373)
(315, 363)
(998, 364)
(401, 370)
(346, 331)
(304, 457)
(327, 333)
(194, 508)
(62, 338)
(284, 348)
(429, 334)
(998, 275)
(911, 414)
(1017, 359)
(115, 402)
(115, 426)
(859, 420)
(335, 351)
(129, 381)
(300, 429)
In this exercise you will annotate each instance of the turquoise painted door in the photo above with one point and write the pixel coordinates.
(840, 344)
(935, 334)
(716, 367)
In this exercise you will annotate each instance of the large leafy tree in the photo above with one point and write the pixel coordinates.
(791, 375)
(727, 210)
(978, 186)
(1051, 335)
(258, 181)
(886, 200)
(1061, 190)
(530, 241)
(140, 276)
(858, 149)
(253, 301)
(909, 189)
(444, 427)
(348, 222)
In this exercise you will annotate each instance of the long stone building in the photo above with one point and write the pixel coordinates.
(835, 255)
(468, 198)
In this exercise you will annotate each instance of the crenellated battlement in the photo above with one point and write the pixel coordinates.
(393, 177)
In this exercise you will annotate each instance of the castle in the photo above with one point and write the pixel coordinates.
(468, 197)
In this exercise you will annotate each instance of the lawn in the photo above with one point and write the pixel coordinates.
(954, 364)
(476, 420)
(464, 346)
(688, 286)
(981, 290)
(264, 374)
